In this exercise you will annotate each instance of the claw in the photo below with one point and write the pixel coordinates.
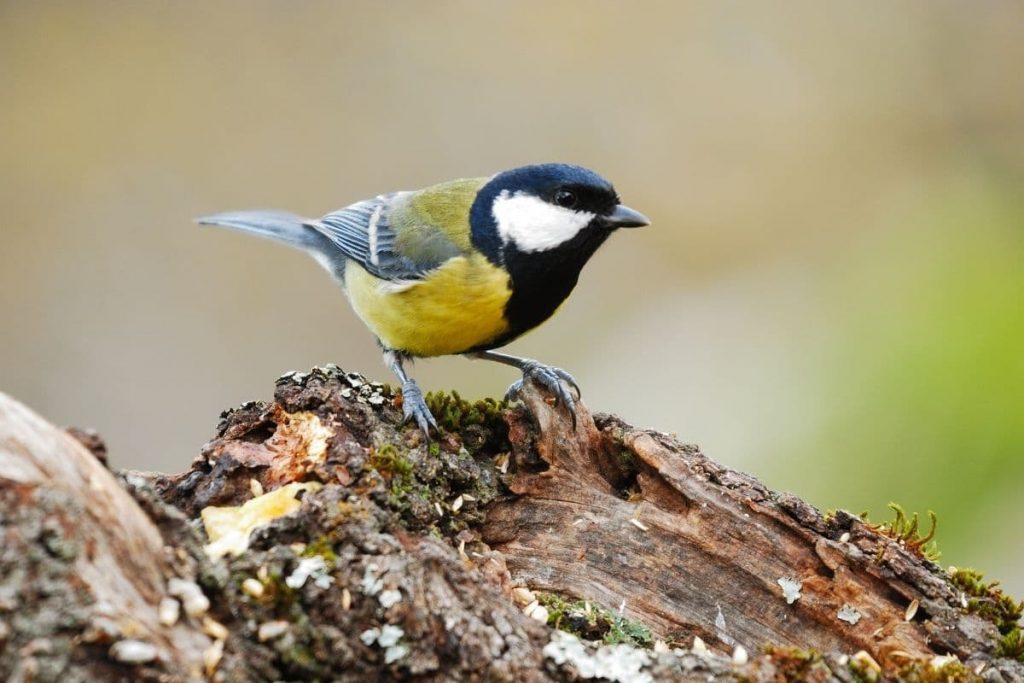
(570, 379)
(416, 408)
(552, 379)
(512, 393)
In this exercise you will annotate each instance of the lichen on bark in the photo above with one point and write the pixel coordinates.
(457, 558)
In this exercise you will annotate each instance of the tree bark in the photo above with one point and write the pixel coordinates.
(454, 560)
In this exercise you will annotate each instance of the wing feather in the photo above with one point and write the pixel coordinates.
(364, 232)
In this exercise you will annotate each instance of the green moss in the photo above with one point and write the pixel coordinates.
(862, 671)
(629, 632)
(905, 530)
(593, 622)
(796, 664)
(422, 482)
(454, 413)
(389, 462)
(627, 459)
(397, 495)
(397, 470)
(922, 671)
(322, 547)
(1012, 645)
(987, 600)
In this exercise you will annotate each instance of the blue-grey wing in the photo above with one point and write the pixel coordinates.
(364, 232)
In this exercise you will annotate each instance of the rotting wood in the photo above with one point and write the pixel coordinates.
(82, 568)
(412, 560)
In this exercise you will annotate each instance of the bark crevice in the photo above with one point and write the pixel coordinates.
(411, 560)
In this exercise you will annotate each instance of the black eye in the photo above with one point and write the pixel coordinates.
(566, 199)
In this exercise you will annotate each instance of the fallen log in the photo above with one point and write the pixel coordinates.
(316, 538)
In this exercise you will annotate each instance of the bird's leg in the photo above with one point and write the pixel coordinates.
(412, 397)
(549, 377)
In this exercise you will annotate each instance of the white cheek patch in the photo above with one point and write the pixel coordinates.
(535, 225)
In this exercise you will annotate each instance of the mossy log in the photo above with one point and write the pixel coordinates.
(317, 538)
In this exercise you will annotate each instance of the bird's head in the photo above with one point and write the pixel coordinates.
(545, 208)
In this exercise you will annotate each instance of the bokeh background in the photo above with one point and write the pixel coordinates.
(831, 296)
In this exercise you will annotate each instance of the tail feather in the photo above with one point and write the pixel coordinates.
(275, 225)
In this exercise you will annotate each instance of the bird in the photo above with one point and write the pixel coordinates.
(459, 268)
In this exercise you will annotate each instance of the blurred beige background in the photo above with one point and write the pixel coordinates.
(831, 296)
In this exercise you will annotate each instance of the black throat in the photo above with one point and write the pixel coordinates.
(541, 280)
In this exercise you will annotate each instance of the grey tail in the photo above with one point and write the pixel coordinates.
(279, 226)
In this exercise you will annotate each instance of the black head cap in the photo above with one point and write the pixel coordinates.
(572, 187)
(565, 185)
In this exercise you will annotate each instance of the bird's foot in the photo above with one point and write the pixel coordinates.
(551, 378)
(415, 408)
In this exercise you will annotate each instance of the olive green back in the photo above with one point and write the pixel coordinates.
(433, 223)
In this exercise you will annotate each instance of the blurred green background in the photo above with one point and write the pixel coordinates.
(831, 296)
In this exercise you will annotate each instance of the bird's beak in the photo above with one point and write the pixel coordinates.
(625, 217)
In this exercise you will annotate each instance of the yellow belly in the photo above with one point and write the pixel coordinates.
(458, 307)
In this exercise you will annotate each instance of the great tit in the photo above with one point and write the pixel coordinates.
(462, 267)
